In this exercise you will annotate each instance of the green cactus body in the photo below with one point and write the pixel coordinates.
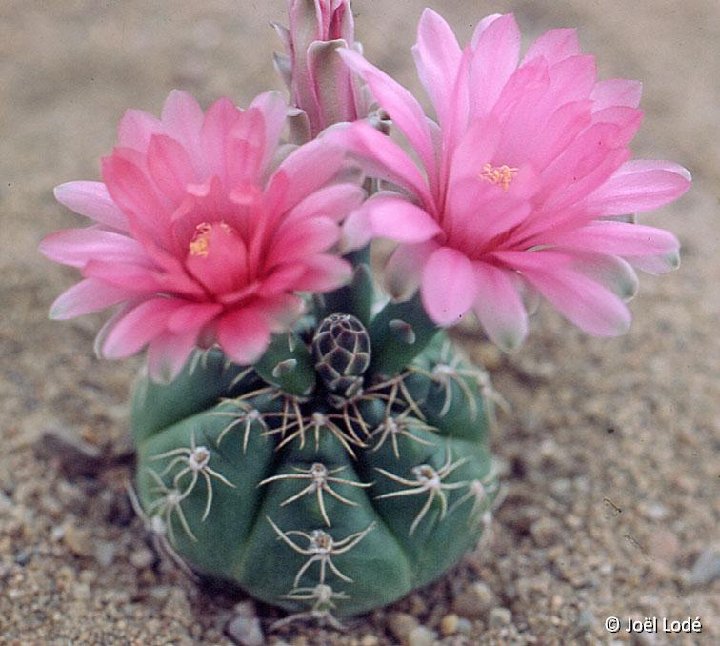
(334, 495)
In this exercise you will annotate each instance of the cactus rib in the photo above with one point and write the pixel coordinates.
(320, 478)
(427, 480)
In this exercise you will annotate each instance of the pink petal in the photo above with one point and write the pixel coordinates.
(133, 192)
(584, 165)
(523, 91)
(616, 92)
(282, 279)
(92, 200)
(482, 26)
(223, 265)
(393, 217)
(499, 307)
(448, 285)
(381, 157)
(437, 58)
(183, 117)
(554, 46)
(133, 278)
(298, 240)
(577, 290)
(244, 335)
(170, 167)
(404, 110)
(135, 129)
(404, 269)
(323, 273)
(138, 327)
(247, 150)
(496, 48)
(304, 171)
(274, 108)
(282, 311)
(167, 354)
(89, 295)
(561, 127)
(192, 317)
(220, 119)
(356, 231)
(659, 248)
(639, 185)
(334, 202)
(572, 79)
(76, 247)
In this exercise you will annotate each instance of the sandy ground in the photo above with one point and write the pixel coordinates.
(612, 446)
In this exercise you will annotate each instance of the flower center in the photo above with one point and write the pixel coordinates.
(498, 175)
(200, 243)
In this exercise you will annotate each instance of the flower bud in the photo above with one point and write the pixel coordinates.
(320, 84)
(341, 349)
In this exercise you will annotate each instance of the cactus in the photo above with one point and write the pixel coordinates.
(347, 467)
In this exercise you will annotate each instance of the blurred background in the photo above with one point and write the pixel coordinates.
(610, 449)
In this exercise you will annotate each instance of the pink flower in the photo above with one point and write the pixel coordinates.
(320, 84)
(520, 185)
(200, 235)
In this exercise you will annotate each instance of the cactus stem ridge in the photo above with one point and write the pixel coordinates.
(322, 596)
(427, 480)
(321, 548)
(200, 359)
(454, 367)
(402, 330)
(196, 459)
(392, 427)
(170, 501)
(157, 529)
(483, 493)
(397, 386)
(240, 376)
(315, 423)
(248, 416)
(320, 478)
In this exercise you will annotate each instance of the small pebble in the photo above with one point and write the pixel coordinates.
(653, 510)
(545, 531)
(244, 609)
(500, 617)
(105, 553)
(22, 558)
(464, 626)
(6, 503)
(584, 622)
(421, 636)
(78, 541)
(449, 625)
(81, 591)
(245, 631)
(142, 558)
(664, 545)
(401, 625)
(474, 601)
(706, 568)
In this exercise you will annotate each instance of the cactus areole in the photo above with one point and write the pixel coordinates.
(324, 479)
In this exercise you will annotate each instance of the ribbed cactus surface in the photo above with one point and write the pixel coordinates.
(324, 480)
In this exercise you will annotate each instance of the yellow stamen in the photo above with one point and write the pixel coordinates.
(499, 175)
(200, 244)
